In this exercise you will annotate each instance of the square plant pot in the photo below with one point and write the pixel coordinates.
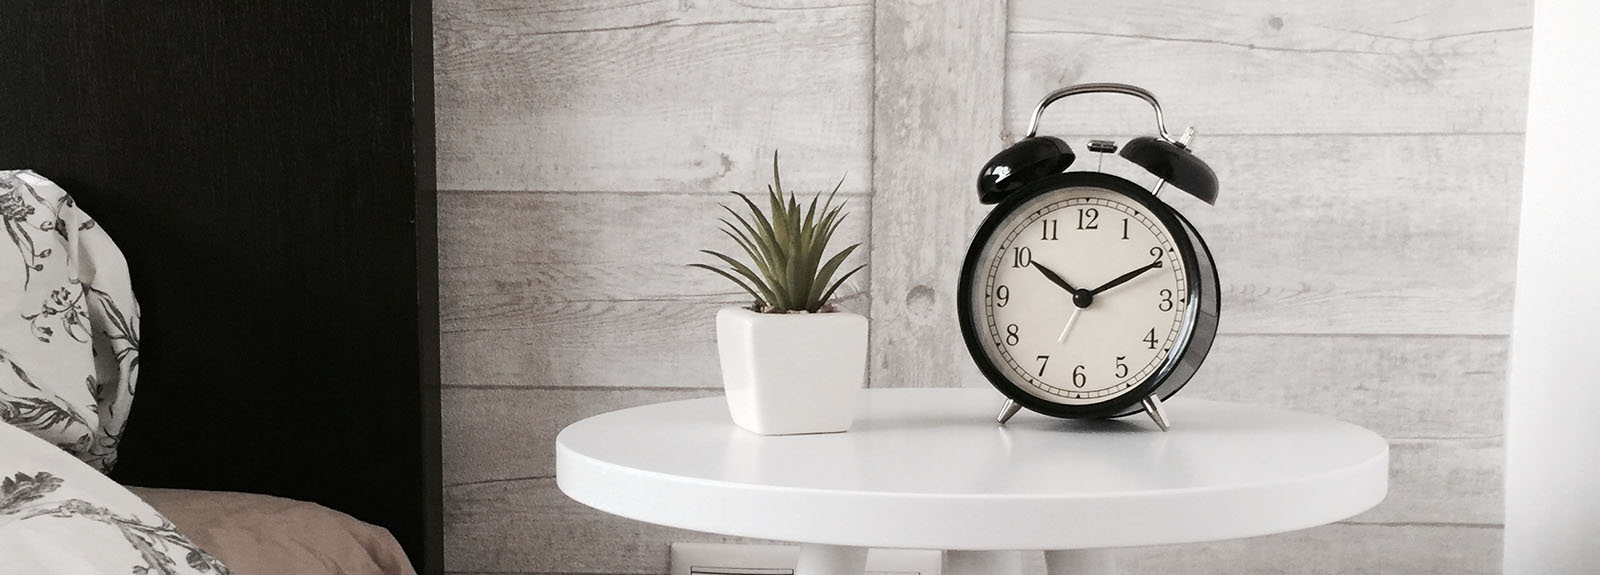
(794, 373)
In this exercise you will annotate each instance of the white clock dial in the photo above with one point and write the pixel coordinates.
(1038, 326)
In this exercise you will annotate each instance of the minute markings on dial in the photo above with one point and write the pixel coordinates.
(1039, 327)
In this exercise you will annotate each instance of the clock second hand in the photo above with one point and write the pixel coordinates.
(1070, 319)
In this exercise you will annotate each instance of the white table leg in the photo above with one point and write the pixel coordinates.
(818, 559)
(1080, 562)
(982, 563)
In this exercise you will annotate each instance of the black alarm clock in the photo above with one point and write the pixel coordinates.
(1084, 295)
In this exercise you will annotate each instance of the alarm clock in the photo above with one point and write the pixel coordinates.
(1084, 295)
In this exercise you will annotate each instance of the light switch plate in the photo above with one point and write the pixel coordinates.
(734, 559)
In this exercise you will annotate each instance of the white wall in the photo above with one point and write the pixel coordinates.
(1553, 433)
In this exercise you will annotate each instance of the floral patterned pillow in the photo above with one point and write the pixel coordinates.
(58, 515)
(69, 326)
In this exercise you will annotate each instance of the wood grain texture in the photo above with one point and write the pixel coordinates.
(1267, 67)
(1402, 387)
(1368, 156)
(505, 434)
(530, 526)
(583, 289)
(940, 69)
(650, 96)
(531, 282)
(1353, 234)
(502, 254)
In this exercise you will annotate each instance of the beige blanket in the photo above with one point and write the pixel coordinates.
(260, 534)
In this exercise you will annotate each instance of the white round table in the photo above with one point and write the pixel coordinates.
(930, 469)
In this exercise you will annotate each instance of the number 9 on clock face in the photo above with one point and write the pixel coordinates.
(1086, 294)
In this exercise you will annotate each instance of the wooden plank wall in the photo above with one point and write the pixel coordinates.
(1370, 162)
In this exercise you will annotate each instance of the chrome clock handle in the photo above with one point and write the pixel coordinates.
(1103, 88)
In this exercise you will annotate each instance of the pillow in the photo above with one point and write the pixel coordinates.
(69, 326)
(59, 515)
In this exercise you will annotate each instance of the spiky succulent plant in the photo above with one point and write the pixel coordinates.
(785, 246)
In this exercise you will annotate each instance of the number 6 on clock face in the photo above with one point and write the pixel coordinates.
(1084, 294)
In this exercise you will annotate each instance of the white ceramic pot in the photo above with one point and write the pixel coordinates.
(792, 373)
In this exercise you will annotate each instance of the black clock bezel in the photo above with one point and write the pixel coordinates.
(1199, 323)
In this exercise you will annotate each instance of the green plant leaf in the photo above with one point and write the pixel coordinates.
(826, 273)
(732, 279)
(765, 227)
(793, 278)
(768, 295)
(786, 245)
(829, 294)
(780, 221)
(776, 181)
(755, 256)
(810, 212)
(767, 249)
(806, 272)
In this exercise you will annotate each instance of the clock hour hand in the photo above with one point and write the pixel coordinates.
(1055, 278)
(1125, 278)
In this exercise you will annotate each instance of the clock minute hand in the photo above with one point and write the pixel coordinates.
(1125, 278)
(1055, 278)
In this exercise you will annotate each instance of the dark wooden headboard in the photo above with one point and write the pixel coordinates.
(268, 169)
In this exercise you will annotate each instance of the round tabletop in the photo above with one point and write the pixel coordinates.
(930, 469)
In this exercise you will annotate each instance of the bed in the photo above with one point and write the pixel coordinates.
(267, 168)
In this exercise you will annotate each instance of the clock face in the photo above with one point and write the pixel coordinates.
(1080, 295)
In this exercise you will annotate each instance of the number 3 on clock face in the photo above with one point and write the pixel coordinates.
(1081, 298)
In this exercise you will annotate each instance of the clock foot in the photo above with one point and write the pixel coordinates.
(1152, 406)
(1006, 411)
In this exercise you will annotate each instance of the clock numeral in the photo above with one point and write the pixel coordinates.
(1021, 257)
(1150, 338)
(1044, 360)
(1050, 227)
(1166, 300)
(1011, 335)
(1122, 368)
(1078, 378)
(1003, 294)
(1087, 217)
(1155, 252)
(1124, 228)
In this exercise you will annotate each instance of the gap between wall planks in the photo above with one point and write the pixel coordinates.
(651, 96)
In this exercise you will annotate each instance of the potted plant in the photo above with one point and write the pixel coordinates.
(791, 362)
